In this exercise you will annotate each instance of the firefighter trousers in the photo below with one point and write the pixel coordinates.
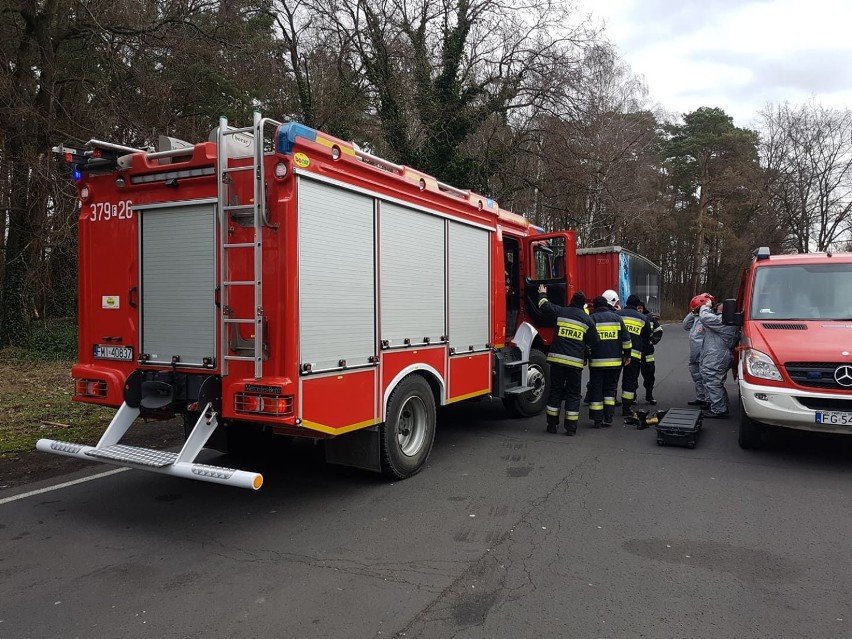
(629, 384)
(649, 370)
(603, 385)
(565, 384)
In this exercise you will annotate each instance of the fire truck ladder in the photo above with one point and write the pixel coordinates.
(259, 215)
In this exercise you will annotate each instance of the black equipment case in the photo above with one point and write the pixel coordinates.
(679, 427)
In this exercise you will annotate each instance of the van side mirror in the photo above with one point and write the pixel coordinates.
(730, 317)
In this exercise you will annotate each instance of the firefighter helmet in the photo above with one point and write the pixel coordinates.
(611, 297)
(700, 300)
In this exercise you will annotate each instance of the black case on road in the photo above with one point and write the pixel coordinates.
(679, 427)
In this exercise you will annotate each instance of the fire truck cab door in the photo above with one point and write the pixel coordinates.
(549, 259)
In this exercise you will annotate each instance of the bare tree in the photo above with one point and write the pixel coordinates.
(445, 78)
(596, 160)
(807, 151)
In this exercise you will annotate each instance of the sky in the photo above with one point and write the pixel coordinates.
(737, 55)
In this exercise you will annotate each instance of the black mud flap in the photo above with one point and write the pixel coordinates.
(359, 449)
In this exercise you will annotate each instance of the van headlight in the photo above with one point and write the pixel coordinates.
(760, 365)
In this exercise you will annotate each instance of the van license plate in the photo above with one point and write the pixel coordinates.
(834, 418)
(121, 353)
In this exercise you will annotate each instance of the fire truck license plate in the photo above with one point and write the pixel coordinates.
(834, 418)
(106, 351)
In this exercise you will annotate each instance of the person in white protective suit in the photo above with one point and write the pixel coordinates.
(716, 358)
(696, 340)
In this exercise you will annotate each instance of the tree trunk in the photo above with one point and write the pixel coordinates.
(13, 321)
(703, 205)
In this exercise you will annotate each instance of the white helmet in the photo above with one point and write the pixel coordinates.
(611, 297)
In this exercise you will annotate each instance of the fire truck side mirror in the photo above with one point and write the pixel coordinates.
(730, 317)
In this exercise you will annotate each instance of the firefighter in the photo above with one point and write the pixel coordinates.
(575, 335)
(715, 357)
(612, 299)
(649, 367)
(640, 330)
(605, 362)
(614, 304)
(696, 340)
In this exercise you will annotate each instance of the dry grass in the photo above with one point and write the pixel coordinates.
(35, 402)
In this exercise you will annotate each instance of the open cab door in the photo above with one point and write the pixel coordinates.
(550, 259)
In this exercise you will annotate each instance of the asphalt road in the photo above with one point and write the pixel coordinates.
(509, 532)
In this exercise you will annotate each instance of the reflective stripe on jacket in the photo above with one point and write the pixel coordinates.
(638, 327)
(574, 334)
(614, 344)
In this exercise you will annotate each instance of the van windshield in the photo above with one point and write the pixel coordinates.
(813, 291)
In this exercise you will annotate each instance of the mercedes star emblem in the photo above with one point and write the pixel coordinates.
(843, 375)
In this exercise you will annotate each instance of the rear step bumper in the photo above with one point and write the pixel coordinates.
(143, 459)
(180, 464)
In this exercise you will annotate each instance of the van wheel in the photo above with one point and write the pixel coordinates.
(532, 402)
(751, 432)
(409, 430)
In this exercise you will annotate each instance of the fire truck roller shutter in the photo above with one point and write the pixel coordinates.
(178, 280)
(469, 286)
(336, 276)
(469, 312)
(412, 275)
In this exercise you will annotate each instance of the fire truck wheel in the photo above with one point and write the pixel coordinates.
(409, 431)
(538, 377)
(751, 432)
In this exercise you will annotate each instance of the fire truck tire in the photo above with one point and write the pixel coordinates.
(751, 432)
(409, 431)
(532, 402)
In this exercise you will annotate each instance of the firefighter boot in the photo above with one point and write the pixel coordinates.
(553, 423)
(607, 422)
(571, 428)
(626, 410)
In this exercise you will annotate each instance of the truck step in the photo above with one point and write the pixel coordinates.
(110, 451)
(134, 455)
(157, 461)
(518, 390)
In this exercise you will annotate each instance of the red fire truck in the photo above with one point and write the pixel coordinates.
(276, 280)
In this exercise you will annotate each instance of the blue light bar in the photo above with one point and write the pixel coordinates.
(288, 133)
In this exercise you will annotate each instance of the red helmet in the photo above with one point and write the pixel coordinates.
(700, 300)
